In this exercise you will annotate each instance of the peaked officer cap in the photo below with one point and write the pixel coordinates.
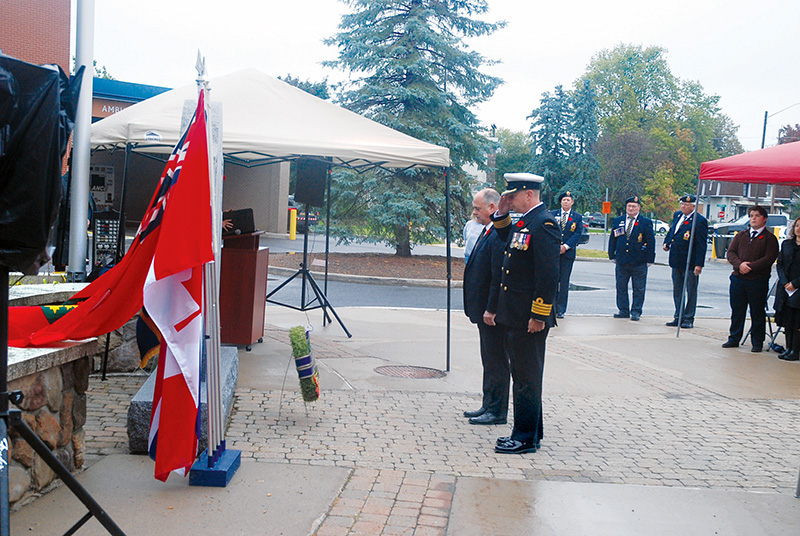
(522, 181)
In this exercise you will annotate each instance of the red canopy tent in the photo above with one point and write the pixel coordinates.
(774, 165)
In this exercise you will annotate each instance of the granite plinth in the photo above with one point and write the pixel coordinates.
(142, 403)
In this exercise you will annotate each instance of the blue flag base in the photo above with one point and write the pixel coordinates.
(219, 474)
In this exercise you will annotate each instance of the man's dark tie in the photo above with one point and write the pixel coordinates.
(480, 239)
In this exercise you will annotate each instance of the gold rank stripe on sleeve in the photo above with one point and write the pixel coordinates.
(540, 308)
(505, 222)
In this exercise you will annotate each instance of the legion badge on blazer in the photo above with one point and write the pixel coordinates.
(521, 241)
(572, 229)
(686, 235)
(640, 238)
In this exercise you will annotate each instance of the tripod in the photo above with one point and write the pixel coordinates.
(319, 296)
(12, 418)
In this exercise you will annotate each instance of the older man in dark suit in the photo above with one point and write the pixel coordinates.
(571, 224)
(481, 288)
(632, 248)
(681, 243)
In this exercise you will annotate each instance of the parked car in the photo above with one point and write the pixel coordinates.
(313, 216)
(584, 234)
(595, 219)
(780, 221)
(660, 227)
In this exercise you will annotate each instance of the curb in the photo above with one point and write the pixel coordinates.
(376, 280)
(373, 280)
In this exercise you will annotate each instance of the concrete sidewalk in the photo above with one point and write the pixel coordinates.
(644, 434)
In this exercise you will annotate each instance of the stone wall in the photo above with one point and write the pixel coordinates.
(54, 406)
(123, 354)
(54, 383)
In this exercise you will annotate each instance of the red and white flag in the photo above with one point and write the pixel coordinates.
(173, 297)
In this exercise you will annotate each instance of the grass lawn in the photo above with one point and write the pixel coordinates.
(591, 253)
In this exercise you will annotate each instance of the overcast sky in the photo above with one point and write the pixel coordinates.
(745, 51)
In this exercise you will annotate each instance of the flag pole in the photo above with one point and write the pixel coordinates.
(216, 465)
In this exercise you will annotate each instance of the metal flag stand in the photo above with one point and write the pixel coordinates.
(216, 465)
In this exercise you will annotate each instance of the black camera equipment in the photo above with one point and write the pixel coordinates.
(37, 111)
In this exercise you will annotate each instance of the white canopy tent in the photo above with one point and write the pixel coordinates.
(267, 120)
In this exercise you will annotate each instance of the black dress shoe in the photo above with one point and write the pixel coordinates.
(730, 344)
(783, 354)
(757, 348)
(792, 356)
(512, 446)
(506, 439)
(560, 315)
(687, 325)
(635, 317)
(621, 315)
(476, 413)
(488, 418)
(673, 323)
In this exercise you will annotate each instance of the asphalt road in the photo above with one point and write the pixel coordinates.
(594, 292)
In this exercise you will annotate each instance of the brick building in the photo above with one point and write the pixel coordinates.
(36, 32)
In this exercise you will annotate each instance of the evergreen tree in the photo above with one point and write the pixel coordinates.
(788, 134)
(411, 70)
(553, 142)
(564, 133)
(583, 166)
(318, 89)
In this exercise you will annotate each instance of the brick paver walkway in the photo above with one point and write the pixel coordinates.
(406, 448)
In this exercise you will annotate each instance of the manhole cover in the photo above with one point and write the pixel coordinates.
(402, 371)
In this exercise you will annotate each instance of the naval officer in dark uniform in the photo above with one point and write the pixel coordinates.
(529, 280)
(680, 243)
(481, 290)
(632, 248)
(571, 225)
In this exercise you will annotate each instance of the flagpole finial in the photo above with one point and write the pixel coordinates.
(202, 73)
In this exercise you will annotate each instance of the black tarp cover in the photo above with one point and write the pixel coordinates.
(37, 112)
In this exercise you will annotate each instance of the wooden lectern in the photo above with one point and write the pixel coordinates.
(243, 289)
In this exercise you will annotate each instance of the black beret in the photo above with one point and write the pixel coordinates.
(634, 199)
(688, 198)
(566, 194)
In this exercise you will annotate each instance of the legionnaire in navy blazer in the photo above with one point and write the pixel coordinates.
(680, 242)
(632, 248)
(571, 225)
(529, 280)
(481, 290)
